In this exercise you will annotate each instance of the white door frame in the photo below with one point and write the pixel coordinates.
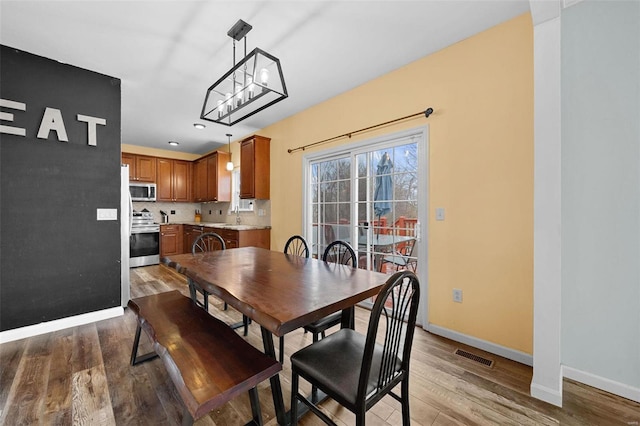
(421, 136)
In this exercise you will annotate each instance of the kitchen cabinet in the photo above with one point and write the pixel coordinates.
(171, 237)
(255, 167)
(218, 177)
(211, 179)
(173, 180)
(142, 168)
(245, 238)
(191, 232)
(200, 180)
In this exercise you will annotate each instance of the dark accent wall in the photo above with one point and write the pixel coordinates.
(56, 259)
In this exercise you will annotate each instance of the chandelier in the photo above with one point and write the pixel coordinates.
(251, 85)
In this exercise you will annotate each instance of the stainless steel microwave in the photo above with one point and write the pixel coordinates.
(142, 191)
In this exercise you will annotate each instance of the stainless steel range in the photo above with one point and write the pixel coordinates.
(144, 243)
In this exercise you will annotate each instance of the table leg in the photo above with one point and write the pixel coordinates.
(348, 318)
(276, 388)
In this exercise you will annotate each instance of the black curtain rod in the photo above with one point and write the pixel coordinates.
(427, 112)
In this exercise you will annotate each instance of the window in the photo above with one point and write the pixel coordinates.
(366, 194)
(244, 205)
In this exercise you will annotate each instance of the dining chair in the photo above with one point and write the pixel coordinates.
(297, 246)
(403, 257)
(337, 252)
(357, 371)
(209, 241)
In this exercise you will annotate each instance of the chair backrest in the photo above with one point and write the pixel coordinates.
(387, 363)
(209, 241)
(297, 246)
(406, 248)
(340, 252)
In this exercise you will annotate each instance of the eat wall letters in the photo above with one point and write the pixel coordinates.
(51, 121)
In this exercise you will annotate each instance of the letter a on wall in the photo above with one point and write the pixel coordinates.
(52, 120)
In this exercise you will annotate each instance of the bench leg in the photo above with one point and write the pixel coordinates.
(134, 351)
(255, 406)
(281, 350)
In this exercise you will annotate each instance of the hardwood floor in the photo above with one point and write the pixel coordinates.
(82, 376)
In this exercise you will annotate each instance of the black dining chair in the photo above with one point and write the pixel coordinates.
(357, 371)
(210, 241)
(297, 246)
(337, 252)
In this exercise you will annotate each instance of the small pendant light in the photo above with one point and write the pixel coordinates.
(229, 163)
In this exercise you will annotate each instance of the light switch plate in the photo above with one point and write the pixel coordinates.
(440, 213)
(107, 214)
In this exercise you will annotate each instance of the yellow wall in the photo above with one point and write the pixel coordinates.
(480, 171)
(165, 153)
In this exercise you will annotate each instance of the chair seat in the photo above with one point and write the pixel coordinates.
(324, 323)
(396, 259)
(334, 363)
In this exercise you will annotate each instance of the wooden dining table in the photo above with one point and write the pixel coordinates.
(278, 291)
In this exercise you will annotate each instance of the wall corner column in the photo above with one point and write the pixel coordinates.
(546, 384)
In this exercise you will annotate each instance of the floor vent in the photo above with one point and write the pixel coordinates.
(474, 357)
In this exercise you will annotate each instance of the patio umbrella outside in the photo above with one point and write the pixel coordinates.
(384, 188)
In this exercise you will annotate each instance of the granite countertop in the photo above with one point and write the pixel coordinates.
(221, 225)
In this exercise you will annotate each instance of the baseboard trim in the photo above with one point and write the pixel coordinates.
(60, 324)
(543, 393)
(503, 351)
(602, 383)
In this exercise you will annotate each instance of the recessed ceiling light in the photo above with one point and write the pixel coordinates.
(174, 143)
(199, 125)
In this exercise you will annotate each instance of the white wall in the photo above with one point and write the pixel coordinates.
(600, 168)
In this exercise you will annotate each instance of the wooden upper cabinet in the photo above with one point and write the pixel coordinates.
(200, 180)
(174, 180)
(211, 179)
(218, 177)
(255, 171)
(182, 180)
(142, 168)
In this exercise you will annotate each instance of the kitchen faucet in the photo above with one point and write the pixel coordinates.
(238, 219)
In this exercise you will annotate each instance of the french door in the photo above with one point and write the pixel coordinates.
(373, 195)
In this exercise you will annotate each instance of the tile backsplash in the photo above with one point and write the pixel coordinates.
(211, 212)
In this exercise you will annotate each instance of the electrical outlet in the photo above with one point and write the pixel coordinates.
(220, 212)
(209, 211)
(457, 295)
(173, 212)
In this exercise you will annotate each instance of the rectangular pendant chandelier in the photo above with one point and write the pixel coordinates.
(253, 84)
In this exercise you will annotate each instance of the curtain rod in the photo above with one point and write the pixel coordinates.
(427, 112)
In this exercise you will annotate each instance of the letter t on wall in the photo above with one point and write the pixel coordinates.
(91, 127)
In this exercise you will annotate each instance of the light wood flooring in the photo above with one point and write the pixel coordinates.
(82, 376)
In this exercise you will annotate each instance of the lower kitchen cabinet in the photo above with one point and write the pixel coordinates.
(171, 237)
(191, 232)
(245, 238)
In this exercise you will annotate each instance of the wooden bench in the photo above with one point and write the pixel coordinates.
(209, 363)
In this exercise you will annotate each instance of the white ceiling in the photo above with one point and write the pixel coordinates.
(167, 53)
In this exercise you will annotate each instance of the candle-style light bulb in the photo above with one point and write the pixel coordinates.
(251, 87)
(264, 76)
(220, 107)
(229, 100)
(238, 95)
